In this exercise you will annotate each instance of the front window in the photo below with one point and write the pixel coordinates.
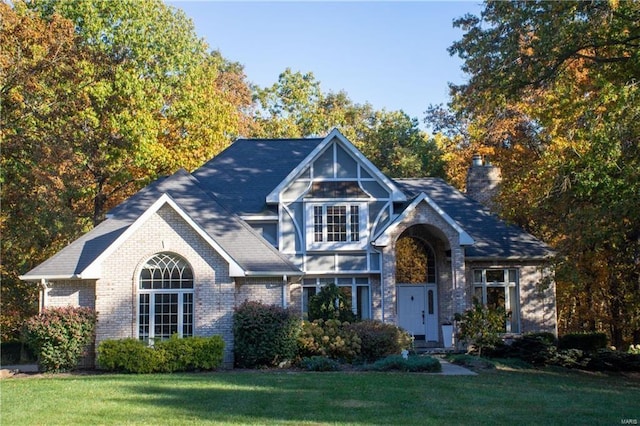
(165, 298)
(355, 290)
(336, 226)
(498, 288)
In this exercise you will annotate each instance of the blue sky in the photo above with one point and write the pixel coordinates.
(390, 54)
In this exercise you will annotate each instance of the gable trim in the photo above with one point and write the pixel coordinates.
(396, 194)
(93, 270)
(383, 238)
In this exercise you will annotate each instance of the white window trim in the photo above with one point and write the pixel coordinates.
(152, 310)
(506, 285)
(361, 244)
(321, 282)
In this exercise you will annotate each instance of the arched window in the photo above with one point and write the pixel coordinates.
(415, 262)
(165, 298)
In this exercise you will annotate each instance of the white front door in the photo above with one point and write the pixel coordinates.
(411, 308)
(418, 310)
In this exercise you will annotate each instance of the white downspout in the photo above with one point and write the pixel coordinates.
(284, 292)
(44, 290)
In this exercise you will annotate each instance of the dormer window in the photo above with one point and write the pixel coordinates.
(336, 226)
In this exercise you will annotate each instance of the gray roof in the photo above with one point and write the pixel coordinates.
(249, 250)
(493, 237)
(237, 182)
(244, 174)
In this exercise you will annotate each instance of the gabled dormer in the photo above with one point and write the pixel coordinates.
(334, 200)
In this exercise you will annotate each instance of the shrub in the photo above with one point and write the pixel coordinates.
(413, 364)
(330, 304)
(481, 326)
(471, 361)
(378, 339)
(534, 348)
(59, 336)
(174, 354)
(634, 349)
(192, 353)
(131, 356)
(330, 338)
(608, 360)
(570, 358)
(265, 335)
(319, 363)
(584, 341)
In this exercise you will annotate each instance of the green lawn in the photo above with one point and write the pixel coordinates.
(494, 397)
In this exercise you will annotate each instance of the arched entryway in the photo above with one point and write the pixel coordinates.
(416, 287)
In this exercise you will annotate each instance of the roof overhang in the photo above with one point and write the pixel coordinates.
(384, 238)
(396, 194)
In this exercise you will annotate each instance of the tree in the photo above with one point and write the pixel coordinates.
(42, 69)
(296, 106)
(98, 99)
(553, 96)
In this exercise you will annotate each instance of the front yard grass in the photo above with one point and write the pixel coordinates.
(499, 396)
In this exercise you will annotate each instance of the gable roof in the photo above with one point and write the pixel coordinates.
(242, 175)
(493, 238)
(396, 194)
(383, 238)
(247, 252)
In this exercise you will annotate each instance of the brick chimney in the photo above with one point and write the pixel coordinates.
(483, 180)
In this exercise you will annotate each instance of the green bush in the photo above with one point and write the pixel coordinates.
(481, 326)
(608, 360)
(192, 353)
(471, 361)
(330, 304)
(264, 335)
(378, 339)
(534, 348)
(319, 363)
(131, 356)
(59, 336)
(331, 338)
(174, 354)
(584, 341)
(412, 364)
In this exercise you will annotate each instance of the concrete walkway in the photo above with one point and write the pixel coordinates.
(449, 369)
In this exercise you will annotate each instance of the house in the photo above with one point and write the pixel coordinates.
(274, 220)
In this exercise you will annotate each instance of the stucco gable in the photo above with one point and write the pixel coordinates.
(336, 137)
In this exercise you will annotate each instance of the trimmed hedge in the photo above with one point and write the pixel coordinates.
(59, 336)
(192, 353)
(131, 356)
(174, 354)
(264, 335)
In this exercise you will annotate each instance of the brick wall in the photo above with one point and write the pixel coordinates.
(166, 231)
(71, 293)
(536, 292)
